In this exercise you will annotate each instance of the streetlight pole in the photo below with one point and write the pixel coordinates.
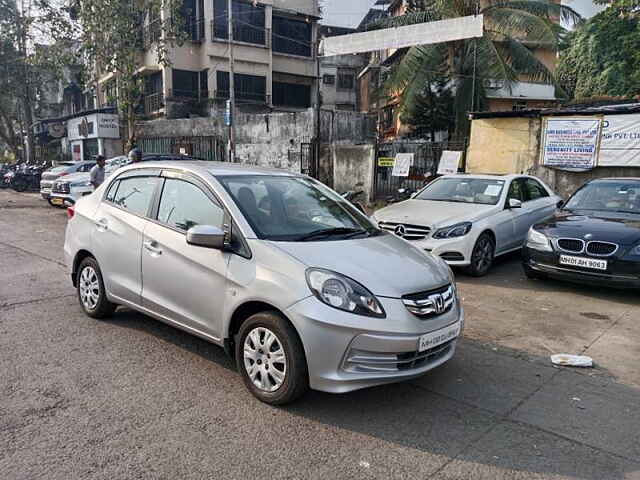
(232, 92)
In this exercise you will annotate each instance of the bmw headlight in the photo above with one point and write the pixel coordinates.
(342, 293)
(538, 241)
(458, 230)
(636, 250)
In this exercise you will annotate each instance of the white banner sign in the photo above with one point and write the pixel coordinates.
(571, 143)
(97, 125)
(620, 146)
(449, 162)
(400, 37)
(403, 164)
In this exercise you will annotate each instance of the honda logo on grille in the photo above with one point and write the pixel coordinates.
(400, 231)
(438, 303)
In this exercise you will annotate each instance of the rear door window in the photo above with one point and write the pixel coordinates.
(134, 194)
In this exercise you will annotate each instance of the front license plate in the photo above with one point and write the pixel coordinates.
(433, 339)
(583, 262)
(57, 201)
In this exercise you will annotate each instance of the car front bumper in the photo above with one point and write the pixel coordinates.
(347, 352)
(454, 251)
(620, 273)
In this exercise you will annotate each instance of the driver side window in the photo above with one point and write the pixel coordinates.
(515, 191)
(183, 205)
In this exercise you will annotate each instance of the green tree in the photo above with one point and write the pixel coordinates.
(512, 29)
(115, 34)
(26, 71)
(431, 111)
(602, 57)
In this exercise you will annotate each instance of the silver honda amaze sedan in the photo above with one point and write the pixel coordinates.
(292, 280)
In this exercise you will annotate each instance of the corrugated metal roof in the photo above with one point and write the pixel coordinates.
(581, 109)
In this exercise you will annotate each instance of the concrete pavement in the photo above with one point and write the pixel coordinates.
(134, 398)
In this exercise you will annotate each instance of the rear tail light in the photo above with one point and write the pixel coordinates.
(71, 211)
(64, 173)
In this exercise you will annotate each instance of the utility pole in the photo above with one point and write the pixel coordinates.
(232, 91)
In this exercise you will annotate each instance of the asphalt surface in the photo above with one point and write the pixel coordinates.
(133, 398)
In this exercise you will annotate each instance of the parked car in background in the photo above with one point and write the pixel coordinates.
(287, 275)
(67, 190)
(468, 220)
(594, 238)
(61, 170)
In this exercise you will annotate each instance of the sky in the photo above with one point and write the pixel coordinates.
(349, 13)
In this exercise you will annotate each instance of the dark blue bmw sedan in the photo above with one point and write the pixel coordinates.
(594, 238)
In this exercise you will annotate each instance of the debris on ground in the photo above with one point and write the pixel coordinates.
(568, 360)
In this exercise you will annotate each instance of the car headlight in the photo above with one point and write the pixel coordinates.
(458, 230)
(80, 184)
(342, 293)
(635, 250)
(538, 241)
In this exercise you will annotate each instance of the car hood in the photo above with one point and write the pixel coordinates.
(385, 264)
(432, 213)
(613, 227)
(76, 177)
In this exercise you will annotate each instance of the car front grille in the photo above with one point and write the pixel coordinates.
(375, 362)
(61, 187)
(431, 303)
(601, 249)
(46, 184)
(573, 245)
(406, 231)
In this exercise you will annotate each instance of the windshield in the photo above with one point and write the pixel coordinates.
(607, 196)
(61, 167)
(295, 209)
(463, 190)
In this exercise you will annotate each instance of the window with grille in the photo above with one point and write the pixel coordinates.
(248, 22)
(248, 88)
(291, 36)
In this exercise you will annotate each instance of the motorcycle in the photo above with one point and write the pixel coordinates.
(27, 178)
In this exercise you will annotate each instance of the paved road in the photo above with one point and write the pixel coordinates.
(133, 398)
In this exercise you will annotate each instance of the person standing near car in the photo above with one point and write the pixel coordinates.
(96, 175)
(135, 155)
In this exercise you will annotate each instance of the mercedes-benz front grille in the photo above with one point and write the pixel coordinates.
(432, 303)
(406, 231)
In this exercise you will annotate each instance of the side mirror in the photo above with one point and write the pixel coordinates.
(513, 203)
(206, 236)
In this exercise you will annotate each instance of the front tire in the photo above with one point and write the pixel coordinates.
(482, 256)
(271, 360)
(91, 292)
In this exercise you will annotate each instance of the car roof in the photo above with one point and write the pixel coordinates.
(615, 179)
(486, 176)
(217, 169)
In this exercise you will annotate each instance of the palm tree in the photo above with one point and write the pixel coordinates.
(512, 30)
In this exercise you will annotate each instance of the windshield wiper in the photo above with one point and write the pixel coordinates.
(326, 232)
(627, 211)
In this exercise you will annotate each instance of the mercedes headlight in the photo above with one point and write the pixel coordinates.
(80, 184)
(538, 241)
(342, 293)
(458, 230)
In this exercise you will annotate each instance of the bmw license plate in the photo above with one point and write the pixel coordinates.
(583, 262)
(433, 339)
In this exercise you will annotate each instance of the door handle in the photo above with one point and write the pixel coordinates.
(102, 224)
(150, 245)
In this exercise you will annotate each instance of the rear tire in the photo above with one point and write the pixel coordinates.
(271, 360)
(91, 292)
(482, 256)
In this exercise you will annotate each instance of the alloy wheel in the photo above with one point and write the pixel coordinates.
(264, 359)
(89, 288)
(483, 254)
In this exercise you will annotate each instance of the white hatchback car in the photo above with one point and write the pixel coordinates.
(468, 220)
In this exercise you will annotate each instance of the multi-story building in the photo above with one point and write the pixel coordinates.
(274, 50)
(339, 75)
(521, 95)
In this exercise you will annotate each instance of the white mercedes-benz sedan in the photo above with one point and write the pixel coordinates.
(468, 220)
